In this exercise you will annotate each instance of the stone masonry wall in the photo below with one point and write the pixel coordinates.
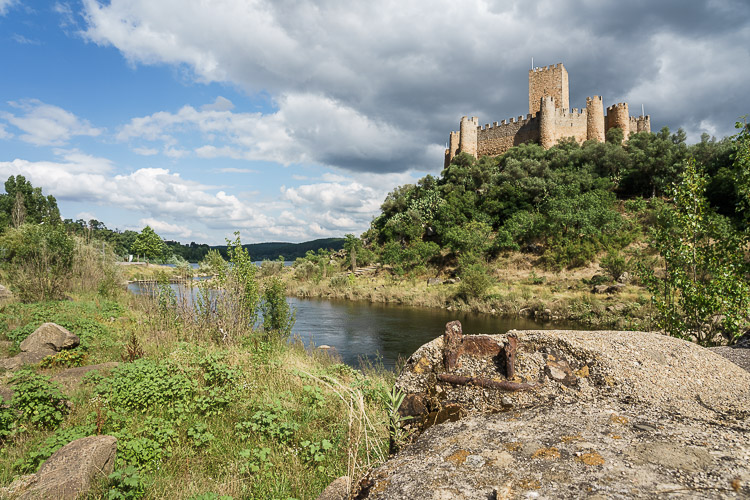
(500, 137)
(551, 81)
(570, 124)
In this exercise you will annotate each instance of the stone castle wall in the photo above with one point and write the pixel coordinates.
(549, 120)
(500, 137)
(548, 81)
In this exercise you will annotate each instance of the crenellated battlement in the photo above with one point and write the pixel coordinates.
(520, 120)
(549, 119)
(618, 106)
(551, 67)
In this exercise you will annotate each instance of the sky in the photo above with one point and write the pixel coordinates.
(291, 120)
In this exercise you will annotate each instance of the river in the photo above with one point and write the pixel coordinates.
(383, 333)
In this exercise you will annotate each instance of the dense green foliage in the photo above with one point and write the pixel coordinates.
(22, 202)
(149, 245)
(704, 286)
(562, 204)
(39, 260)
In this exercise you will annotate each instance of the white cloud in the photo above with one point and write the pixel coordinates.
(86, 216)
(376, 86)
(4, 4)
(220, 104)
(4, 134)
(293, 134)
(18, 38)
(47, 125)
(146, 151)
(165, 228)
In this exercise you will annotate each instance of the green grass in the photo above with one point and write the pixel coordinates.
(249, 420)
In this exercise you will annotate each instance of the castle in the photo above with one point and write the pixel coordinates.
(548, 121)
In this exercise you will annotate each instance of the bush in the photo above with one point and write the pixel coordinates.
(278, 319)
(39, 261)
(614, 264)
(475, 281)
(38, 401)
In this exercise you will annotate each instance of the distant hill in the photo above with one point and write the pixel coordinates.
(290, 251)
(194, 252)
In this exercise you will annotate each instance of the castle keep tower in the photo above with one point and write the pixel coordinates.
(549, 120)
(550, 81)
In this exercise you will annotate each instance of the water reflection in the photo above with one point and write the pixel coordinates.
(383, 333)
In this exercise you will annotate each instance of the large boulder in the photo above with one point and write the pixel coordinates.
(46, 340)
(70, 472)
(561, 414)
(50, 338)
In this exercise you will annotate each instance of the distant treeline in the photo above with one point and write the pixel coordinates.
(258, 251)
(121, 242)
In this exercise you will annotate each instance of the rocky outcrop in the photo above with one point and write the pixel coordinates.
(46, 340)
(561, 414)
(337, 490)
(70, 472)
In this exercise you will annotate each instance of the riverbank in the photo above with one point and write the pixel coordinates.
(194, 416)
(520, 290)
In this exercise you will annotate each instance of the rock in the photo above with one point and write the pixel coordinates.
(434, 281)
(69, 472)
(5, 293)
(609, 289)
(624, 278)
(46, 340)
(337, 490)
(616, 415)
(49, 338)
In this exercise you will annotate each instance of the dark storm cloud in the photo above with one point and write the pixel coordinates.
(409, 70)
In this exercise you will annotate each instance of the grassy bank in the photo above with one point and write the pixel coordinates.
(518, 289)
(255, 417)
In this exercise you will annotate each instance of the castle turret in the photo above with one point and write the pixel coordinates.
(595, 118)
(644, 123)
(452, 150)
(548, 81)
(619, 116)
(468, 139)
(547, 122)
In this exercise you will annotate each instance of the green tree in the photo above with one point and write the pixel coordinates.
(24, 203)
(703, 277)
(148, 244)
(352, 245)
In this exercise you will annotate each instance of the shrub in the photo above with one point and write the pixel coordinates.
(614, 264)
(475, 281)
(39, 261)
(277, 316)
(38, 401)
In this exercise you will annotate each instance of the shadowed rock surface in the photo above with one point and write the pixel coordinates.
(70, 472)
(610, 415)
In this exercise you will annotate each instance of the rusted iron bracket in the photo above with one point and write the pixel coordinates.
(510, 356)
(501, 385)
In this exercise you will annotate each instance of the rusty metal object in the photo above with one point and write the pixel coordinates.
(481, 346)
(501, 385)
(510, 356)
(452, 340)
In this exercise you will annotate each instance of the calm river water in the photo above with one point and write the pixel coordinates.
(384, 333)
